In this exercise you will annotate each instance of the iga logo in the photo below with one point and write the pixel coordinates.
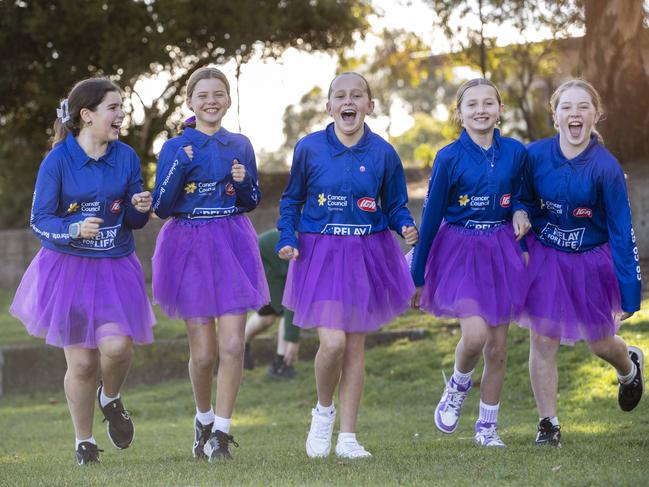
(229, 189)
(116, 206)
(505, 200)
(582, 212)
(367, 204)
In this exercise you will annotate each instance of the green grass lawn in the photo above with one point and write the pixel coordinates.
(601, 444)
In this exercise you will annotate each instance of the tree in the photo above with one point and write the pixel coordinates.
(612, 54)
(48, 45)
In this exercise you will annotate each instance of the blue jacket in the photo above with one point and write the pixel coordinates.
(202, 187)
(339, 190)
(583, 203)
(71, 186)
(470, 187)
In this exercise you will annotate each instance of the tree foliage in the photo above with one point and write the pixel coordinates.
(48, 45)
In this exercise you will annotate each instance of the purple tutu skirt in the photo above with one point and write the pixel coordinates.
(208, 268)
(475, 273)
(572, 296)
(351, 283)
(77, 301)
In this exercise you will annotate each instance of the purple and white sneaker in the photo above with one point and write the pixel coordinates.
(487, 435)
(447, 413)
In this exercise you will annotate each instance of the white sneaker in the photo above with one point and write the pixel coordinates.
(318, 443)
(487, 435)
(351, 449)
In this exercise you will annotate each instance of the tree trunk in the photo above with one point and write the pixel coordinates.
(612, 61)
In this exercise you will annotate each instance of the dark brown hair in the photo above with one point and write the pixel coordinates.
(87, 93)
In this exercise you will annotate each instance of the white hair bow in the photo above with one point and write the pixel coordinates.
(62, 112)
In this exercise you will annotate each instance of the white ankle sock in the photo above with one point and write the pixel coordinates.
(205, 418)
(221, 424)
(325, 409)
(105, 400)
(625, 379)
(346, 437)
(461, 378)
(488, 413)
(77, 442)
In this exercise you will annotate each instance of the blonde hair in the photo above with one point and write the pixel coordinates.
(459, 96)
(588, 88)
(206, 72)
(354, 73)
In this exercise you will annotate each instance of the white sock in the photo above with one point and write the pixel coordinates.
(625, 379)
(325, 409)
(105, 400)
(205, 418)
(553, 419)
(221, 424)
(346, 437)
(461, 378)
(488, 413)
(77, 442)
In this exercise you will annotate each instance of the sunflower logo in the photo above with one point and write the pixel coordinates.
(190, 188)
(321, 199)
(73, 207)
(542, 204)
(464, 199)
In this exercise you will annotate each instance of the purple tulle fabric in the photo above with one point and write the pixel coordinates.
(572, 296)
(208, 268)
(351, 283)
(475, 273)
(71, 300)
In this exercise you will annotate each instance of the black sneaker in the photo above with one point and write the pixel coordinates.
(548, 434)
(120, 427)
(248, 361)
(87, 453)
(629, 395)
(201, 435)
(218, 446)
(279, 370)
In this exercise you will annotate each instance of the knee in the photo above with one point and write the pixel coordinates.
(84, 368)
(601, 348)
(203, 359)
(231, 349)
(332, 348)
(120, 353)
(474, 343)
(495, 352)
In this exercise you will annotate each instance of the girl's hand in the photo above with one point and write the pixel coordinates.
(288, 253)
(625, 315)
(410, 234)
(142, 201)
(188, 150)
(238, 171)
(521, 224)
(414, 302)
(90, 227)
(290, 355)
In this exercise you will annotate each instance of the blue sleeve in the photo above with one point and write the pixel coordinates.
(248, 194)
(290, 206)
(432, 214)
(133, 218)
(44, 222)
(394, 194)
(622, 239)
(523, 195)
(169, 179)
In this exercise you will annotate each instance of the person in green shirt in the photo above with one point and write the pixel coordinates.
(276, 269)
